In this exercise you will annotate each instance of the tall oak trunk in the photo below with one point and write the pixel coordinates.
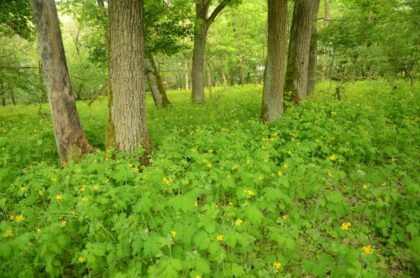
(298, 56)
(126, 60)
(274, 76)
(69, 135)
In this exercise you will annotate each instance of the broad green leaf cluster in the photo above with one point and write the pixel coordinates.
(331, 189)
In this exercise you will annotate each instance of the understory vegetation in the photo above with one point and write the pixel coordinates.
(329, 190)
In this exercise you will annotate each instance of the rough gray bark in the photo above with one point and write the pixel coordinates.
(274, 76)
(159, 83)
(313, 53)
(202, 24)
(69, 135)
(298, 55)
(126, 60)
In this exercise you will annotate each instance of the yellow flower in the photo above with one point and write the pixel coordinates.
(135, 169)
(332, 157)
(63, 223)
(367, 249)
(11, 217)
(365, 186)
(345, 226)
(173, 234)
(285, 165)
(82, 260)
(59, 197)
(209, 165)
(279, 173)
(277, 266)
(220, 237)
(82, 188)
(249, 192)
(23, 189)
(19, 218)
(167, 181)
(41, 192)
(235, 167)
(284, 217)
(238, 222)
(195, 204)
(39, 230)
(8, 233)
(96, 187)
(84, 199)
(197, 276)
(329, 174)
(289, 152)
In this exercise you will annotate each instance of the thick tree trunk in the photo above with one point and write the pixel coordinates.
(128, 107)
(313, 54)
(199, 49)
(69, 135)
(272, 104)
(151, 80)
(186, 76)
(298, 56)
(159, 83)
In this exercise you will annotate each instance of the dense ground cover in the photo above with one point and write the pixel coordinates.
(331, 189)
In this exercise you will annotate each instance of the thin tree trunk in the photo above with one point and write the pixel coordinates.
(199, 49)
(128, 108)
(12, 95)
(241, 70)
(274, 76)
(298, 56)
(209, 81)
(313, 55)
(186, 76)
(326, 11)
(158, 78)
(69, 135)
(151, 80)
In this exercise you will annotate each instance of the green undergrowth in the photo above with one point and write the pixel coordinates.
(329, 190)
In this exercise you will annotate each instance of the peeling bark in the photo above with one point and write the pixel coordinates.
(69, 135)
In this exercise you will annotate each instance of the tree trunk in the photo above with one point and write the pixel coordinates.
(69, 135)
(151, 80)
(298, 56)
(209, 81)
(274, 76)
(12, 95)
(313, 55)
(126, 60)
(186, 77)
(199, 49)
(241, 70)
(158, 78)
(326, 11)
(200, 38)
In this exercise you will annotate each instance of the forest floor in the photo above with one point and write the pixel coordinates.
(330, 189)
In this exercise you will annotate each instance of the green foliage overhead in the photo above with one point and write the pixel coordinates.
(15, 18)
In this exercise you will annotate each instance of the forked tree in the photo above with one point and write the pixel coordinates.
(126, 62)
(274, 76)
(202, 23)
(69, 135)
